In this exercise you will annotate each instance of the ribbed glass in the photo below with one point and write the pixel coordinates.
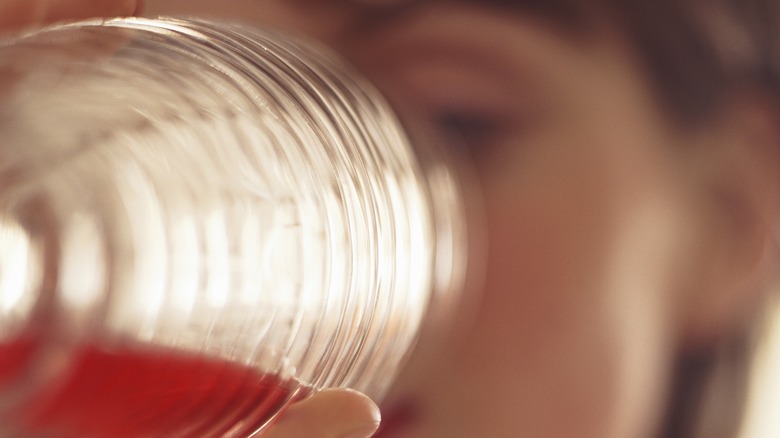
(200, 223)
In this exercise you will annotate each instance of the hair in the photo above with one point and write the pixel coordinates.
(695, 53)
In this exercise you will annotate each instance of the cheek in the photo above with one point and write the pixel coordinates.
(549, 228)
(544, 253)
(562, 318)
(540, 337)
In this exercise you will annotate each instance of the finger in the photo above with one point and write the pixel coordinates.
(18, 14)
(336, 413)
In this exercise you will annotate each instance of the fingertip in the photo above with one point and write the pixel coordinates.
(357, 402)
(370, 417)
(334, 413)
(348, 413)
(366, 430)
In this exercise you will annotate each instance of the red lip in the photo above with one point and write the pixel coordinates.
(396, 418)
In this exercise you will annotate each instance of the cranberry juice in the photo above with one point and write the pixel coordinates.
(131, 393)
(14, 355)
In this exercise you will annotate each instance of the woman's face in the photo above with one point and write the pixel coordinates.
(587, 207)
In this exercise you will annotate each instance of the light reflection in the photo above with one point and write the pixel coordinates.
(217, 260)
(14, 268)
(82, 262)
(142, 276)
(185, 265)
(250, 250)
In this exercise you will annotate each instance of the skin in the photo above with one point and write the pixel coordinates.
(613, 236)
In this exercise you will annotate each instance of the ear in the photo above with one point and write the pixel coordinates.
(737, 170)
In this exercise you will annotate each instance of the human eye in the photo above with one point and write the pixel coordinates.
(464, 84)
(466, 105)
(468, 128)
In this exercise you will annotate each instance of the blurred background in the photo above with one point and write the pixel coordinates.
(763, 415)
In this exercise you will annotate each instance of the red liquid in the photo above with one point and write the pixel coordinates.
(128, 393)
(14, 356)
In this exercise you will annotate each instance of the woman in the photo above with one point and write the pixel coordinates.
(627, 152)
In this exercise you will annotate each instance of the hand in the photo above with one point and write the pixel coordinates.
(20, 14)
(334, 413)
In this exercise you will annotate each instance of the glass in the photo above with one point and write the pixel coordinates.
(202, 223)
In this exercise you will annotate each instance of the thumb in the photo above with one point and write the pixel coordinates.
(334, 413)
(18, 14)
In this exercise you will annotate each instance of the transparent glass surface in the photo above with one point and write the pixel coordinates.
(201, 223)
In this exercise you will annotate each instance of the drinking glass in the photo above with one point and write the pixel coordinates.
(201, 223)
